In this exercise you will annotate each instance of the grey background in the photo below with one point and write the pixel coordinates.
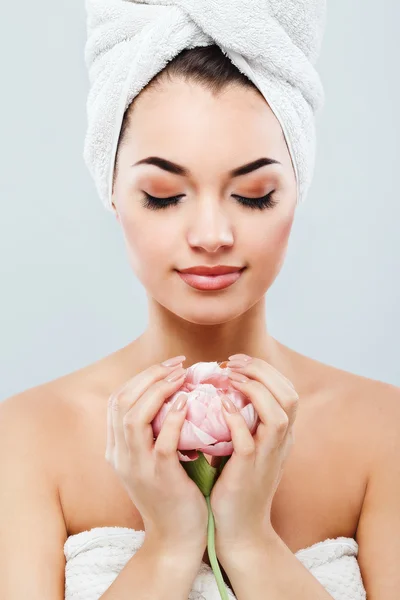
(68, 296)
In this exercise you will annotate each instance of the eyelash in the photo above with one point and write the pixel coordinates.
(262, 203)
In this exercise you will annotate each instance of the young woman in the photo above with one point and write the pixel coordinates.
(203, 178)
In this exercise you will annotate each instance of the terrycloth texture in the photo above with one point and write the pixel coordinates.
(95, 557)
(274, 42)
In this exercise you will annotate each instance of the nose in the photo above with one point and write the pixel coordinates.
(211, 227)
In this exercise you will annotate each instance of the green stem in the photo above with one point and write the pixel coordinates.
(211, 552)
(205, 476)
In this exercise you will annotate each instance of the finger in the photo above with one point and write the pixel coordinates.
(117, 416)
(289, 442)
(135, 387)
(244, 445)
(244, 358)
(286, 396)
(138, 429)
(264, 402)
(279, 374)
(274, 421)
(166, 445)
(125, 397)
(110, 432)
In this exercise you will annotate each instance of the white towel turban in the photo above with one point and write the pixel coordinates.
(274, 42)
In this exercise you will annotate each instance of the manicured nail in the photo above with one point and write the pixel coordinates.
(179, 403)
(237, 376)
(228, 404)
(240, 357)
(237, 364)
(173, 361)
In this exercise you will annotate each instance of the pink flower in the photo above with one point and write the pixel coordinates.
(205, 428)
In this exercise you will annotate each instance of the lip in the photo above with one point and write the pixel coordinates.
(217, 270)
(210, 282)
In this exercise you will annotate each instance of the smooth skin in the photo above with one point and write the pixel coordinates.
(53, 437)
(173, 509)
(242, 497)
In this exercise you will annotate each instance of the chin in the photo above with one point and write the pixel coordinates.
(200, 313)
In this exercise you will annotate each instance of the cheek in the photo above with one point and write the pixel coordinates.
(270, 240)
(283, 231)
(147, 242)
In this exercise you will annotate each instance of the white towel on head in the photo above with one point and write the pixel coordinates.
(275, 43)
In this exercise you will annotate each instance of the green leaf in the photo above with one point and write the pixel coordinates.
(202, 473)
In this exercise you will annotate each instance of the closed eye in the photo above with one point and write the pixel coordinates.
(261, 203)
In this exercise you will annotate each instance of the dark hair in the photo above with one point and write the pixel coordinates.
(206, 65)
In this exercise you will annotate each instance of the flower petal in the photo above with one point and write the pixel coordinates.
(250, 416)
(188, 456)
(215, 424)
(218, 449)
(205, 428)
(193, 437)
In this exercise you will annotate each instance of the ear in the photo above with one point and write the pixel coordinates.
(114, 208)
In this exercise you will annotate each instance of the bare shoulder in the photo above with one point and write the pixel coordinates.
(375, 403)
(377, 407)
(349, 406)
(43, 432)
(375, 417)
(63, 411)
(367, 408)
(41, 417)
(36, 411)
(50, 413)
(318, 379)
(30, 464)
(49, 404)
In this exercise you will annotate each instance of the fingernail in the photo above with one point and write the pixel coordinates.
(173, 361)
(238, 364)
(179, 403)
(244, 357)
(175, 375)
(228, 404)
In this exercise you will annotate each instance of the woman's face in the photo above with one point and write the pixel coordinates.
(209, 136)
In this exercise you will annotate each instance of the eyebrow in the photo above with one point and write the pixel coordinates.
(172, 167)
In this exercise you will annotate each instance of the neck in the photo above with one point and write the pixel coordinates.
(168, 335)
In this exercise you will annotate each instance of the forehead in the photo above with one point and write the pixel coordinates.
(180, 112)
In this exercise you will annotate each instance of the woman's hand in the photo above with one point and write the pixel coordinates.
(242, 496)
(173, 509)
